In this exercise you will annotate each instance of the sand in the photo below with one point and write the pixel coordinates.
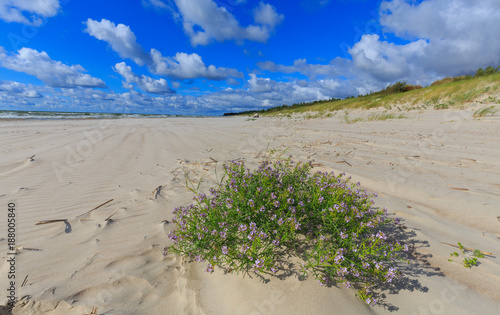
(438, 171)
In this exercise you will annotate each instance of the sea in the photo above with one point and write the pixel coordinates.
(14, 114)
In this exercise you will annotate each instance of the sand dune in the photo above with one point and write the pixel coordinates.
(438, 171)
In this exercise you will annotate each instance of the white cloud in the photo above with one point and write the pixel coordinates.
(157, 4)
(218, 24)
(386, 61)
(18, 10)
(182, 66)
(189, 66)
(265, 14)
(19, 89)
(462, 34)
(145, 83)
(53, 73)
(121, 39)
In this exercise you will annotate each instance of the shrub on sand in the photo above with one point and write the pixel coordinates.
(253, 221)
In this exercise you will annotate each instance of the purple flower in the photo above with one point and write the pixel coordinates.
(381, 235)
(253, 226)
(225, 250)
(321, 199)
(165, 251)
(259, 263)
(276, 242)
(280, 221)
(290, 189)
(209, 268)
(222, 234)
(244, 248)
(242, 228)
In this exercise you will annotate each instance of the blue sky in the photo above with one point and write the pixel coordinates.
(214, 56)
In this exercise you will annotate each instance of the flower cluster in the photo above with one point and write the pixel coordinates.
(251, 219)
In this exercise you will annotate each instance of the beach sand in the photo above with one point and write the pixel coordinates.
(439, 171)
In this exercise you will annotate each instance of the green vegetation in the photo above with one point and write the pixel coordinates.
(321, 220)
(468, 262)
(485, 111)
(446, 93)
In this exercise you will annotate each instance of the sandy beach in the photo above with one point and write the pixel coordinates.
(438, 171)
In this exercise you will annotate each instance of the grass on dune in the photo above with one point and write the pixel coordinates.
(446, 93)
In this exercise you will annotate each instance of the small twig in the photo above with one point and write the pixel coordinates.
(486, 253)
(157, 190)
(344, 161)
(107, 219)
(51, 221)
(463, 189)
(30, 158)
(25, 280)
(102, 204)
(214, 160)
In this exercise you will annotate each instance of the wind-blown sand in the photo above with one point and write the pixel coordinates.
(438, 171)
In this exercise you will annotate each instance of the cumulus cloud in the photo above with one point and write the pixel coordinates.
(337, 67)
(53, 73)
(121, 39)
(28, 11)
(443, 39)
(387, 61)
(462, 35)
(19, 89)
(204, 21)
(145, 83)
(181, 66)
(189, 66)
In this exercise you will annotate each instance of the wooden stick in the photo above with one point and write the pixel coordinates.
(463, 189)
(107, 219)
(344, 161)
(51, 221)
(102, 204)
(486, 253)
(157, 190)
(25, 279)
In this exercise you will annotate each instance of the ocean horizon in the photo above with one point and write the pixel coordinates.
(48, 115)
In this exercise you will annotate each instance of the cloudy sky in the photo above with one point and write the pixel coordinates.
(214, 56)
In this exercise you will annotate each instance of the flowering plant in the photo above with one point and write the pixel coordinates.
(252, 220)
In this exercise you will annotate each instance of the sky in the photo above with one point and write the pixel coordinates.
(208, 57)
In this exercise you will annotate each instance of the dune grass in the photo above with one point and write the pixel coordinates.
(452, 92)
(485, 111)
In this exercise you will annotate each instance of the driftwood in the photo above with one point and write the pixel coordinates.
(344, 161)
(51, 221)
(157, 191)
(108, 218)
(102, 204)
(25, 280)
